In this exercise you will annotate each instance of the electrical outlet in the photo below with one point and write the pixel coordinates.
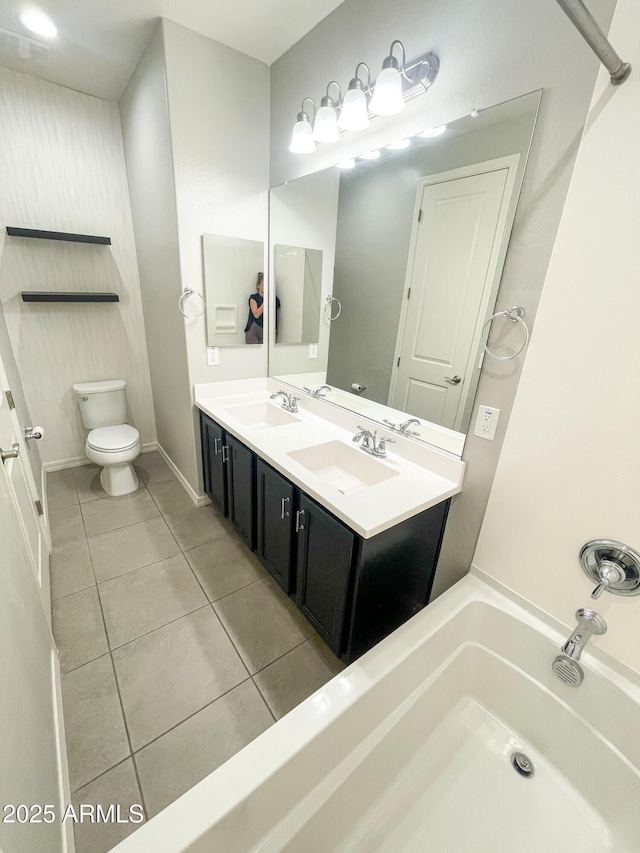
(313, 350)
(213, 356)
(486, 422)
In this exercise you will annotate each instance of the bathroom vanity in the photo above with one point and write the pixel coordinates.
(354, 540)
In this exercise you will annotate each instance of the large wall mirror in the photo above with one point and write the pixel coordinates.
(414, 241)
(233, 284)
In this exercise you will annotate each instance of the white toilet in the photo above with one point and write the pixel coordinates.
(111, 443)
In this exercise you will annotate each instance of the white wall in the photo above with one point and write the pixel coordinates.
(62, 168)
(570, 465)
(490, 51)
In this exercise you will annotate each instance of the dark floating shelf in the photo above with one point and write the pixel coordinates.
(57, 235)
(59, 296)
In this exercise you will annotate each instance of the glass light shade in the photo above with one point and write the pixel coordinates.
(354, 115)
(325, 128)
(387, 96)
(302, 138)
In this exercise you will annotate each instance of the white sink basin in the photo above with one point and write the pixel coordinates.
(262, 415)
(345, 468)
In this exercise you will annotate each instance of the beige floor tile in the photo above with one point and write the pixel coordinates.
(294, 677)
(263, 623)
(171, 673)
(78, 628)
(223, 566)
(117, 786)
(71, 568)
(61, 488)
(152, 468)
(148, 598)
(132, 547)
(170, 496)
(87, 480)
(195, 526)
(110, 513)
(181, 758)
(95, 733)
(65, 524)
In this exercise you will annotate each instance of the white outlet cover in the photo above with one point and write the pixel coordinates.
(213, 356)
(486, 422)
(313, 350)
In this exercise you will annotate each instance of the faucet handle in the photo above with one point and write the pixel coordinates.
(609, 573)
(293, 404)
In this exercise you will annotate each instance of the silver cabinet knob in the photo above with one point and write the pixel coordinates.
(10, 454)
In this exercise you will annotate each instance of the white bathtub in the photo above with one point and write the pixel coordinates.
(409, 750)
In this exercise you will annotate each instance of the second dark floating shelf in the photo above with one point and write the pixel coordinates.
(57, 235)
(60, 296)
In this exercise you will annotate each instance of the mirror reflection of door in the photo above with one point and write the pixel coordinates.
(452, 273)
(298, 282)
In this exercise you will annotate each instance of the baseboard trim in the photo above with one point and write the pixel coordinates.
(78, 461)
(198, 500)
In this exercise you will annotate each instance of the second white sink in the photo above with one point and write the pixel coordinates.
(345, 468)
(262, 415)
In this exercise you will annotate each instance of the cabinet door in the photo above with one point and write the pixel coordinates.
(213, 469)
(324, 552)
(241, 488)
(275, 525)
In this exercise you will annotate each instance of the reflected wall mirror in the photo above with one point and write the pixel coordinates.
(414, 242)
(232, 280)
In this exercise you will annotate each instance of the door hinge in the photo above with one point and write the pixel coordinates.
(10, 400)
(398, 364)
(420, 216)
(39, 509)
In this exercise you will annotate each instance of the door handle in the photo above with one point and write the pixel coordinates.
(225, 452)
(216, 445)
(10, 454)
(283, 512)
(454, 380)
(299, 526)
(30, 432)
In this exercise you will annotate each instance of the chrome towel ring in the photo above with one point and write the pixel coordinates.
(328, 308)
(188, 291)
(514, 314)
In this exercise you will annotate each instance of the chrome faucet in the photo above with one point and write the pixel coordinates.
(289, 402)
(403, 429)
(318, 391)
(566, 665)
(370, 442)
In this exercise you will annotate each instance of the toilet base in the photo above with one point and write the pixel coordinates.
(119, 480)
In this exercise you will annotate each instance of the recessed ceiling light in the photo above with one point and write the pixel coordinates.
(346, 164)
(39, 23)
(370, 155)
(433, 131)
(399, 144)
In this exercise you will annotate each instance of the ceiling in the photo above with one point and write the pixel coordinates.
(100, 42)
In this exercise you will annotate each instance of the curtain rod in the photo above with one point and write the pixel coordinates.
(586, 25)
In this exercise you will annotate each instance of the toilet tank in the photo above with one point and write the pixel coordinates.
(102, 403)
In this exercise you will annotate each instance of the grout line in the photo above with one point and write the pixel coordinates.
(264, 699)
(160, 627)
(100, 775)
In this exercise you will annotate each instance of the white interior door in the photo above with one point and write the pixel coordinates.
(453, 270)
(30, 752)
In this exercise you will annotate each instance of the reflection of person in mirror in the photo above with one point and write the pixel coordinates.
(253, 329)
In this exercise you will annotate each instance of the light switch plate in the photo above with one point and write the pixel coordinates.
(486, 422)
(313, 350)
(213, 356)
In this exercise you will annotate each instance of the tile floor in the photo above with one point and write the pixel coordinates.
(176, 647)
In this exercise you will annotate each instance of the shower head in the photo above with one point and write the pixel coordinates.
(568, 671)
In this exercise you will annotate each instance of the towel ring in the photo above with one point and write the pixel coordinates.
(190, 292)
(327, 308)
(514, 314)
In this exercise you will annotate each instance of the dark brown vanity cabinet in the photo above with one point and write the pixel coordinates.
(229, 477)
(354, 591)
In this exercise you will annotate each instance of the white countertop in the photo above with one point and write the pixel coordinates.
(425, 476)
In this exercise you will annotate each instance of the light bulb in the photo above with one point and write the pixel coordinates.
(354, 114)
(39, 23)
(433, 131)
(399, 144)
(346, 164)
(370, 155)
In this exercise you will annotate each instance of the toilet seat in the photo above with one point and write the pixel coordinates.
(113, 439)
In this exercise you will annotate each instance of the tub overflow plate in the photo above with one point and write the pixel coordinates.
(522, 764)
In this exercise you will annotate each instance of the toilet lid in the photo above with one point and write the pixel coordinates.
(113, 438)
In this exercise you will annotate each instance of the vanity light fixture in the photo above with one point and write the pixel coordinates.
(432, 132)
(346, 164)
(397, 83)
(302, 136)
(39, 23)
(399, 144)
(370, 155)
(325, 127)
